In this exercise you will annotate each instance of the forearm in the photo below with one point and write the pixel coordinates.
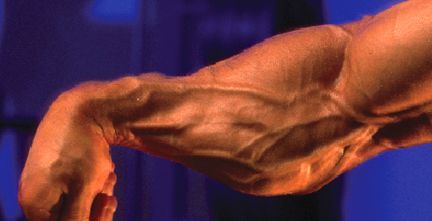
(286, 116)
(258, 136)
(234, 133)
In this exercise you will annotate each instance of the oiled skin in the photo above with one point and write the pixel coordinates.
(284, 117)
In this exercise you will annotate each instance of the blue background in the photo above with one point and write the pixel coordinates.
(49, 46)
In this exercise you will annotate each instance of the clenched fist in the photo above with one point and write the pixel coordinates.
(68, 167)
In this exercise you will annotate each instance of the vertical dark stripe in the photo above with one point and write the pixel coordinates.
(290, 15)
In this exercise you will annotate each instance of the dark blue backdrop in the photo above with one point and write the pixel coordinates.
(49, 46)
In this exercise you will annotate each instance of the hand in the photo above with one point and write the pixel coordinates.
(69, 168)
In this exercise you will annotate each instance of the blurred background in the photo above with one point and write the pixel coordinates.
(49, 46)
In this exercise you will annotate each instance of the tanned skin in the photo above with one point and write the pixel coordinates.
(286, 116)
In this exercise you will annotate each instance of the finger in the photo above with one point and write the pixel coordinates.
(77, 205)
(103, 208)
(105, 204)
(109, 209)
(108, 188)
(97, 207)
(79, 200)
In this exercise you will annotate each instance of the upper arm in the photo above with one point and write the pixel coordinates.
(388, 68)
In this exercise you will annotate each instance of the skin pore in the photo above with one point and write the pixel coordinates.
(286, 116)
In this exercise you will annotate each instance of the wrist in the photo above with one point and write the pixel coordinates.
(81, 107)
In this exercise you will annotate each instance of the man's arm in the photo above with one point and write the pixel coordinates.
(261, 122)
(257, 121)
(286, 116)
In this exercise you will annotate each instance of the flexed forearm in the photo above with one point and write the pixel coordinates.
(286, 116)
(253, 122)
(235, 133)
(240, 135)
